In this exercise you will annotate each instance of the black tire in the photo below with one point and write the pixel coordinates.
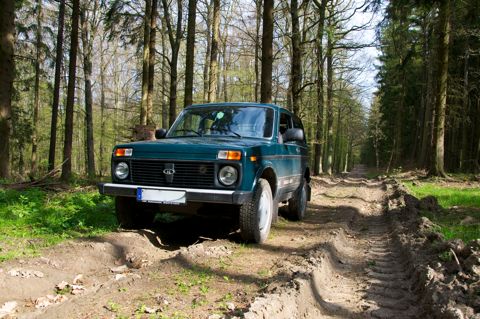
(297, 205)
(256, 215)
(131, 214)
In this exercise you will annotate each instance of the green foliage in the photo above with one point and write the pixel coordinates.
(33, 218)
(460, 217)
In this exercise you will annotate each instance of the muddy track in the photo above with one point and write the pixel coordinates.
(342, 261)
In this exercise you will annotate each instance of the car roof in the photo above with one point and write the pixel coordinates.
(227, 104)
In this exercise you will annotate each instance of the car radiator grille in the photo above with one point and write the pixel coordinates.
(191, 175)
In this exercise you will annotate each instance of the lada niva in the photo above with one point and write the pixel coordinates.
(240, 159)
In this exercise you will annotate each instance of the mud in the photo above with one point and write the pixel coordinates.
(361, 252)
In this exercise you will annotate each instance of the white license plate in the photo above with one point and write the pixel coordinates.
(161, 196)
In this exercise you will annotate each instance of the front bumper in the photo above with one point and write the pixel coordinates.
(193, 194)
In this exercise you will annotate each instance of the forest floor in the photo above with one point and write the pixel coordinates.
(343, 261)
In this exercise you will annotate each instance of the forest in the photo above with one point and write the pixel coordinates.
(79, 76)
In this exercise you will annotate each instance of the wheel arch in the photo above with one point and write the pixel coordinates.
(269, 175)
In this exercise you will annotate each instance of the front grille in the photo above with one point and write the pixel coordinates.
(191, 175)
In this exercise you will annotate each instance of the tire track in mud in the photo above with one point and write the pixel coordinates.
(358, 272)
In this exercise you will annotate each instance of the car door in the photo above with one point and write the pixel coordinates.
(288, 156)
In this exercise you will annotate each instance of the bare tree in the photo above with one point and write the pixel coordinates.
(7, 69)
(267, 52)
(175, 38)
(72, 68)
(441, 101)
(56, 86)
(36, 102)
(190, 52)
(213, 73)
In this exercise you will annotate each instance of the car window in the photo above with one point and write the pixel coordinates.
(249, 121)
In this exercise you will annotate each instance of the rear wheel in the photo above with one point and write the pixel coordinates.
(297, 205)
(132, 214)
(256, 214)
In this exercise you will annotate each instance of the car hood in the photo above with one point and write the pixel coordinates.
(190, 147)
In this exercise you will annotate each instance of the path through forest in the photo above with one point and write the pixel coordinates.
(340, 262)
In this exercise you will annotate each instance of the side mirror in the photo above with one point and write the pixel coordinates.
(160, 133)
(295, 135)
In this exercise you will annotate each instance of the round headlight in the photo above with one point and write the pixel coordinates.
(228, 175)
(121, 170)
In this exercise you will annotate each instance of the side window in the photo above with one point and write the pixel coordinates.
(285, 122)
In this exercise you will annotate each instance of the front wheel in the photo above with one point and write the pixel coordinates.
(131, 214)
(256, 214)
(297, 205)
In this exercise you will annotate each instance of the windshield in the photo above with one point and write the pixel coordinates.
(249, 121)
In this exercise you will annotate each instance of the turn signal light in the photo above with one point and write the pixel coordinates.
(230, 155)
(123, 152)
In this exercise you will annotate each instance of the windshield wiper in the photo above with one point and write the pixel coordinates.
(187, 130)
(225, 130)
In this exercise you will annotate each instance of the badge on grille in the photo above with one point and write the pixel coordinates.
(169, 171)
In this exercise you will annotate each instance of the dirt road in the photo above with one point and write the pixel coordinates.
(340, 262)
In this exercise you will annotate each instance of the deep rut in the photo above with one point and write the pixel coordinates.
(388, 274)
(360, 271)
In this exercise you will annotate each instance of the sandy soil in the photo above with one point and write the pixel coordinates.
(340, 262)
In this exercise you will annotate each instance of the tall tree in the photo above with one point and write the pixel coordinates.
(329, 56)
(190, 52)
(296, 68)
(441, 101)
(72, 69)
(145, 62)
(267, 52)
(56, 87)
(319, 138)
(175, 38)
(36, 102)
(7, 68)
(89, 27)
(258, 20)
(151, 61)
(213, 73)
(206, 65)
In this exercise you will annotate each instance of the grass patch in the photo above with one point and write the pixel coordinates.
(447, 196)
(460, 216)
(32, 219)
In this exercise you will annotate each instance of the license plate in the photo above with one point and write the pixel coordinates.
(161, 196)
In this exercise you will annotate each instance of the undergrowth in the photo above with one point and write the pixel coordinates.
(460, 213)
(32, 219)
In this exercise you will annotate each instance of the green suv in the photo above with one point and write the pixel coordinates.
(236, 159)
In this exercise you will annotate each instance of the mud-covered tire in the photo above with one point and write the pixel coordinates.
(256, 214)
(131, 214)
(297, 205)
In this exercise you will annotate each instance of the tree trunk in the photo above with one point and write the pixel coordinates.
(36, 102)
(318, 165)
(258, 18)
(151, 61)
(329, 166)
(267, 52)
(213, 73)
(206, 66)
(296, 71)
(225, 66)
(441, 101)
(466, 111)
(163, 77)
(102, 107)
(145, 62)
(175, 39)
(7, 73)
(87, 42)
(72, 68)
(190, 53)
(56, 87)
